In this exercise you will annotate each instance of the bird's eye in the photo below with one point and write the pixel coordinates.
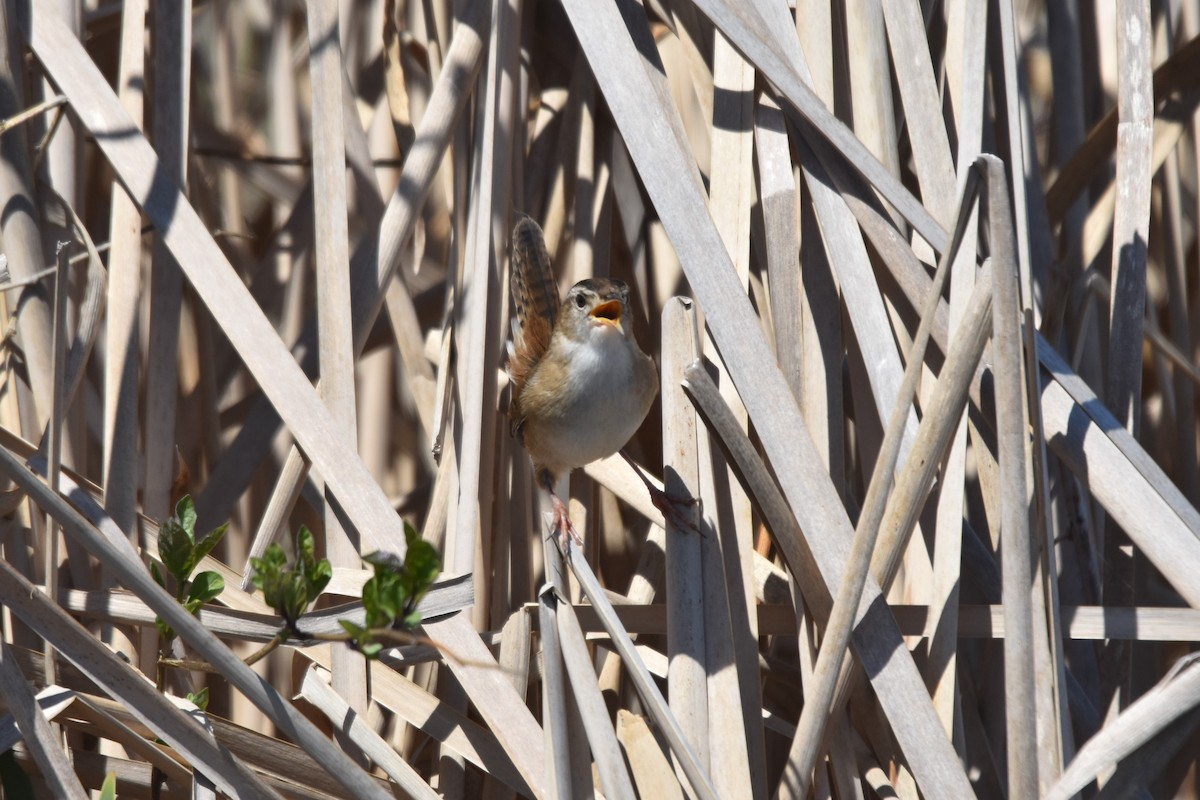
(580, 303)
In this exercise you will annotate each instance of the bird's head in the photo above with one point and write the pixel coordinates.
(595, 309)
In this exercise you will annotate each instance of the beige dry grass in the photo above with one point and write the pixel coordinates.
(938, 407)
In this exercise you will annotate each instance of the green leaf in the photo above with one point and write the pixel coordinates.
(350, 628)
(164, 630)
(272, 585)
(370, 599)
(422, 566)
(370, 649)
(185, 512)
(397, 600)
(108, 789)
(318, 577)
(290, 591)
(317, 572)
(175, 548)
(156, 574)
(206, 544)
(422, 559)
(199, 699)
(306, 547)
(206, 586)
(295, 597)
(396, 589)
(379, 598)
(287, 593)
(267, 568)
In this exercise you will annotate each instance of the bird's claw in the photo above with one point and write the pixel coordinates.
(672, 505)
(562, 523)
(668, 504)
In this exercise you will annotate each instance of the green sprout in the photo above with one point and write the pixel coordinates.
(199, 699)
(290, 591)
(180, 553)
(391, 596)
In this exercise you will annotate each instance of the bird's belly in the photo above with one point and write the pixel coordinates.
(599, 411)
(593, 431)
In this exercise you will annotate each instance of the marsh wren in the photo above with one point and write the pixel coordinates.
(581, 386)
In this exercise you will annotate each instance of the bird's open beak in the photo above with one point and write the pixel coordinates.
(609, 312)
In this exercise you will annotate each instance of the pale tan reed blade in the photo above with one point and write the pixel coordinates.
(730, 320)
(922, 106)
(316, 690)
(52, 700)
(656, 705)
(172, 76)
(847, 250)
(602, 739)
(734, 689)
(335, 336)
(494, 697)
(23, 241)
(554, 698)
(41, 741)
(117, 677)
(1135, 129)
(567, 735)
(650, 768)
(873, 109)
(374, 262)
(790, 169)
(1051, 681)
(482, 289)
(134, 576)
(1029, 221)
(99, 712)
(966, 46)
(400, 695)
(1024, 765)
(1176, 694)
(791, 541)
(685, 596)
(516, 660)
(806, 746)
(124, 265)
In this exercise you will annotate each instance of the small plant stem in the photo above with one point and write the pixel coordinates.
(391, 634)
(263, 651)
(190, 664)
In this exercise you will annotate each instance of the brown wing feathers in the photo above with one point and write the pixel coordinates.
(535, 297)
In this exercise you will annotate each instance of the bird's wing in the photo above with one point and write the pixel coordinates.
(535, 298)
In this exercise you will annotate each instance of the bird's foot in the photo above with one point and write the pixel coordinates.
(562, 523)
(671, 505)
(674, 507)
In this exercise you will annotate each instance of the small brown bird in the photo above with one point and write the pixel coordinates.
(581, 386)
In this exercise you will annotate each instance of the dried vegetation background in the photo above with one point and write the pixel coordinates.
(939, 408)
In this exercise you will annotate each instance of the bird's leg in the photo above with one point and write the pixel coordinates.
(562, 518)
(669, 504)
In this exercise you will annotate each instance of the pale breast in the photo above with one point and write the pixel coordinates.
(598, 403)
